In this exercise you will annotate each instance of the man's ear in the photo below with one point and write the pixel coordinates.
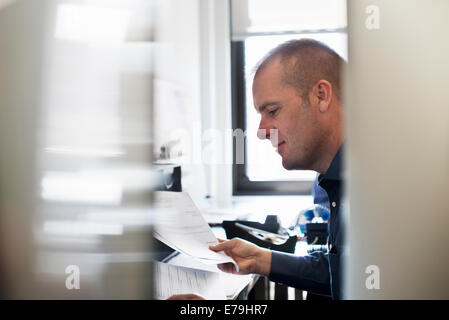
(322, 93)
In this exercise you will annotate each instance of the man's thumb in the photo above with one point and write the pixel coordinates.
(221, 246)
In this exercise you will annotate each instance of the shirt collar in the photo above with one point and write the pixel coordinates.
(334, 171)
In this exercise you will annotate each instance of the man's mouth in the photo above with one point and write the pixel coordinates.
(279, 146)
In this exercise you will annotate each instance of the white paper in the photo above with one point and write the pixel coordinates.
(233, 284)
(170, 280)
(180, 225)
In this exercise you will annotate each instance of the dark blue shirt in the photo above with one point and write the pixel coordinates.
(318, 272)
(320, 200)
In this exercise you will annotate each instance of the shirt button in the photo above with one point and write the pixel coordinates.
(334, 204)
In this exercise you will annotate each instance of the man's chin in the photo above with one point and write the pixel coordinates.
(287, 165)
(291, 165)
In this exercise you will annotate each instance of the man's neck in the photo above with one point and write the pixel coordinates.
(328, 156)
(333, 139)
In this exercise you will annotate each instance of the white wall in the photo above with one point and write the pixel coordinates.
(397, 159)
(216, 95)
(177, 87)
(193, 93)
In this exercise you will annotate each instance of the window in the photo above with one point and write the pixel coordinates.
(257, 27)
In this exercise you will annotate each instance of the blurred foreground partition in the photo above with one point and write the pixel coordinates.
(397, 150)
(76, 149)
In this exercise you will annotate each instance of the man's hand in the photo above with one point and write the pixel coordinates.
(249, 257)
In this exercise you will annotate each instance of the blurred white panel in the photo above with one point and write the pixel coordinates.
(4, 3)
(75, 139)
(93, 188)
(81, 228)
(86, 23)
(397, 154)
(21, 53)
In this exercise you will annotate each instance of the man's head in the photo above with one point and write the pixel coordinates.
(297, 91)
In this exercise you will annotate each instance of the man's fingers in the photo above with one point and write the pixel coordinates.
(224, 245)
(227, 267)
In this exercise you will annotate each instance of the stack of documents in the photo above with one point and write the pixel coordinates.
(180, 225)
(172, 280)
(231, 284)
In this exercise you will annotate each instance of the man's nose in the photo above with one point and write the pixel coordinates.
(264, 131)
(263, 134)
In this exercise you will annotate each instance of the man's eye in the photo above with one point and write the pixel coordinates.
(272, 112)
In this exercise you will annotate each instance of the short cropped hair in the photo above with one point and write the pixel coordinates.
(305, 62)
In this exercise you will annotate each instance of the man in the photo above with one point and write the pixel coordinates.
(297, 92)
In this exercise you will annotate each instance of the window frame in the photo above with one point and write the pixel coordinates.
(241, 184)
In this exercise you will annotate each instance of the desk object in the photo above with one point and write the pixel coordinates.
(169, 177)
(264, 235)
(317, 233)
(172, 279)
